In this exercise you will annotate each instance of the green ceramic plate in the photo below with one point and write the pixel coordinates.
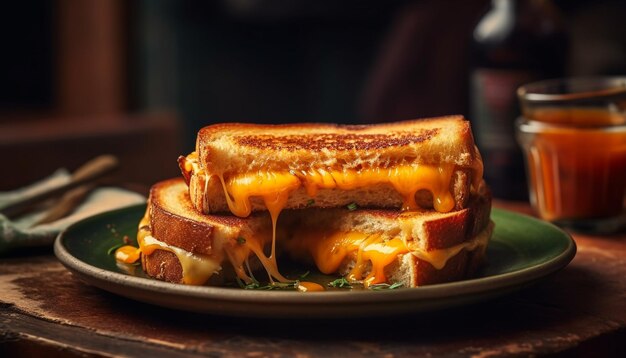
(522, 251)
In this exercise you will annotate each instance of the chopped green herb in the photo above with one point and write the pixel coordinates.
(248, 286)
(273, 286)
(241, 240)
(352, 206)
(386, 286)
(304, 275)
(255, 285)
(310, 202)
(252, 286)
(113, 248)
(280, 285)
(340, 283)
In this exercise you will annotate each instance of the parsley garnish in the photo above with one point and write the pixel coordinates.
(280, 285)
(352, 206)
(310, 202)
(340, 283)
(241, 240)
(386, 286)
(113, 248)
(255, 285)
(252, 286)
(304, 275)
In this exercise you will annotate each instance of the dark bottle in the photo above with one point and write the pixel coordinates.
(515, 42)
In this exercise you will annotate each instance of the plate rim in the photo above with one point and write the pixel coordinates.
(465, 287)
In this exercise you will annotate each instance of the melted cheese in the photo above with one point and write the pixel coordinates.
(274, 190)
(191, 164)
(305, 286)
(275, 187)
(269, 263)
(371, 253)
(197, 269)
(127, 254)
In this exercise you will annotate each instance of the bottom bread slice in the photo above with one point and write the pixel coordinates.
(439, 247)
(406, 269)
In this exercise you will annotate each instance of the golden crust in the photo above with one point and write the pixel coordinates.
(325, 136)
(463, 265)
(172, 195)
(236, 147)
(163, 265)
(460, 225)
(174, 221)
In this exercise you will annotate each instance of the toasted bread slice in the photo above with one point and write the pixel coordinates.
(181, 245)
(429, 163)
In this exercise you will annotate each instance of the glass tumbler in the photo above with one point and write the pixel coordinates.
(573, 134)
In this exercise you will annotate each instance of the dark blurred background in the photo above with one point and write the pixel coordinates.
(139, 78)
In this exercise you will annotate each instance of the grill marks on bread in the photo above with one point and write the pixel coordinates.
(336, 141)
(232, 147)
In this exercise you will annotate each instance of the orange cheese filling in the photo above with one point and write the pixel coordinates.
(275, 200)
(189, 165)
(372, 253)
(197, 269)
(275, 187)
(306, 286)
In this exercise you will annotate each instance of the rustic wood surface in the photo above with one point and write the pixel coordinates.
(45, 311)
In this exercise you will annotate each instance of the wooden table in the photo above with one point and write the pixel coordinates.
(44, 311)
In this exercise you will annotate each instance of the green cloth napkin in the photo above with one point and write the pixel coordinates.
(19, 232)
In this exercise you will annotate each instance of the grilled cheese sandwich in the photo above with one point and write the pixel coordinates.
(424, 177)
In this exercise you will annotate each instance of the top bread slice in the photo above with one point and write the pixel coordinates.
(233, 147)
(172, 220)
(227, 150)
